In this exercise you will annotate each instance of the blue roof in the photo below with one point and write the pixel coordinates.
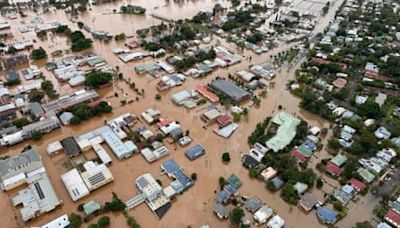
(174, 170)
(326, 215)
(310, 144)
(195, 152)
(278, 182)
(222, 197)
(230, 189)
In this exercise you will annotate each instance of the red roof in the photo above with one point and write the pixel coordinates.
(164, 122)
(203, 90)
(357, 184)
(94, 103)
(297, 154)
(224, 119)
(333, 169)
(392, 217)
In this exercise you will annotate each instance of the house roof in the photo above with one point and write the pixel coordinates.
(300, 187)
(297, 154)
(393, 217)
(366, 175)
(357, 184)
(253, 204)
(339, 160)
(326, 215)
(308, 200)
(278, 182)
(333, 169)
(234, 181)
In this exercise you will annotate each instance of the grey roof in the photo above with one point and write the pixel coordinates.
(230, 89)
(36, 109)
(39, 197)
(253, 204)
(70, 146)
(19, 161)
(66, 117)
(308, 201)
(221, 211)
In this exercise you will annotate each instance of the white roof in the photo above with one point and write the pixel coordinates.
(59, 222)
(102, 153)
(54, 147)
(262, 215)
(276, 222)
(74, 184)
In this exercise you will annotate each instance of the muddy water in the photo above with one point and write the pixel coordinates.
(194, 207)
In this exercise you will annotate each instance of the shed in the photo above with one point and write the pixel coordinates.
(91, 207)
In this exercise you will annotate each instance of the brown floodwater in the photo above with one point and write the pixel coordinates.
(194, 207)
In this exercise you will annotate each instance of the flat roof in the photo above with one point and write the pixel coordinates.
(230, 89)
(195, 152)
(74, 184)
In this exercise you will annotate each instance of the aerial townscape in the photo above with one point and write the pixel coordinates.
(200, 113)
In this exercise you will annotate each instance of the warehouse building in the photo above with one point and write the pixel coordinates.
(229, 89)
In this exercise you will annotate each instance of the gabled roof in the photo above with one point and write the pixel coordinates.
(333, 169)
(357, 184)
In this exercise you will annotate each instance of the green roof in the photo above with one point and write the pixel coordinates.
(304, 150)
(90, 207)
(366, 175)
(95, 60)
(286, 131)
(300, 187)
(234, 181)
(396, 206)
(144, 68)
(356, 117)
(339, 160)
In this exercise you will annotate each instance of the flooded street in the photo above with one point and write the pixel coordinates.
(194, 207)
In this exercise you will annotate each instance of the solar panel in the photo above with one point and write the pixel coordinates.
(39, 190)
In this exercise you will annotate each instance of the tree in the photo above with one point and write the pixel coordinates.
(158, 97)
(333, 143)
(370, 109)
(116, 204)
(21, 122)
(226, 157)
(75, 220)
(194, 176)
(97, 79)
(236, 215)
(103, 221)
(278, 2)
(93, 225)
(38, 53)
(365, 224)
(36, 96)
(289, 194)
(221, 182)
